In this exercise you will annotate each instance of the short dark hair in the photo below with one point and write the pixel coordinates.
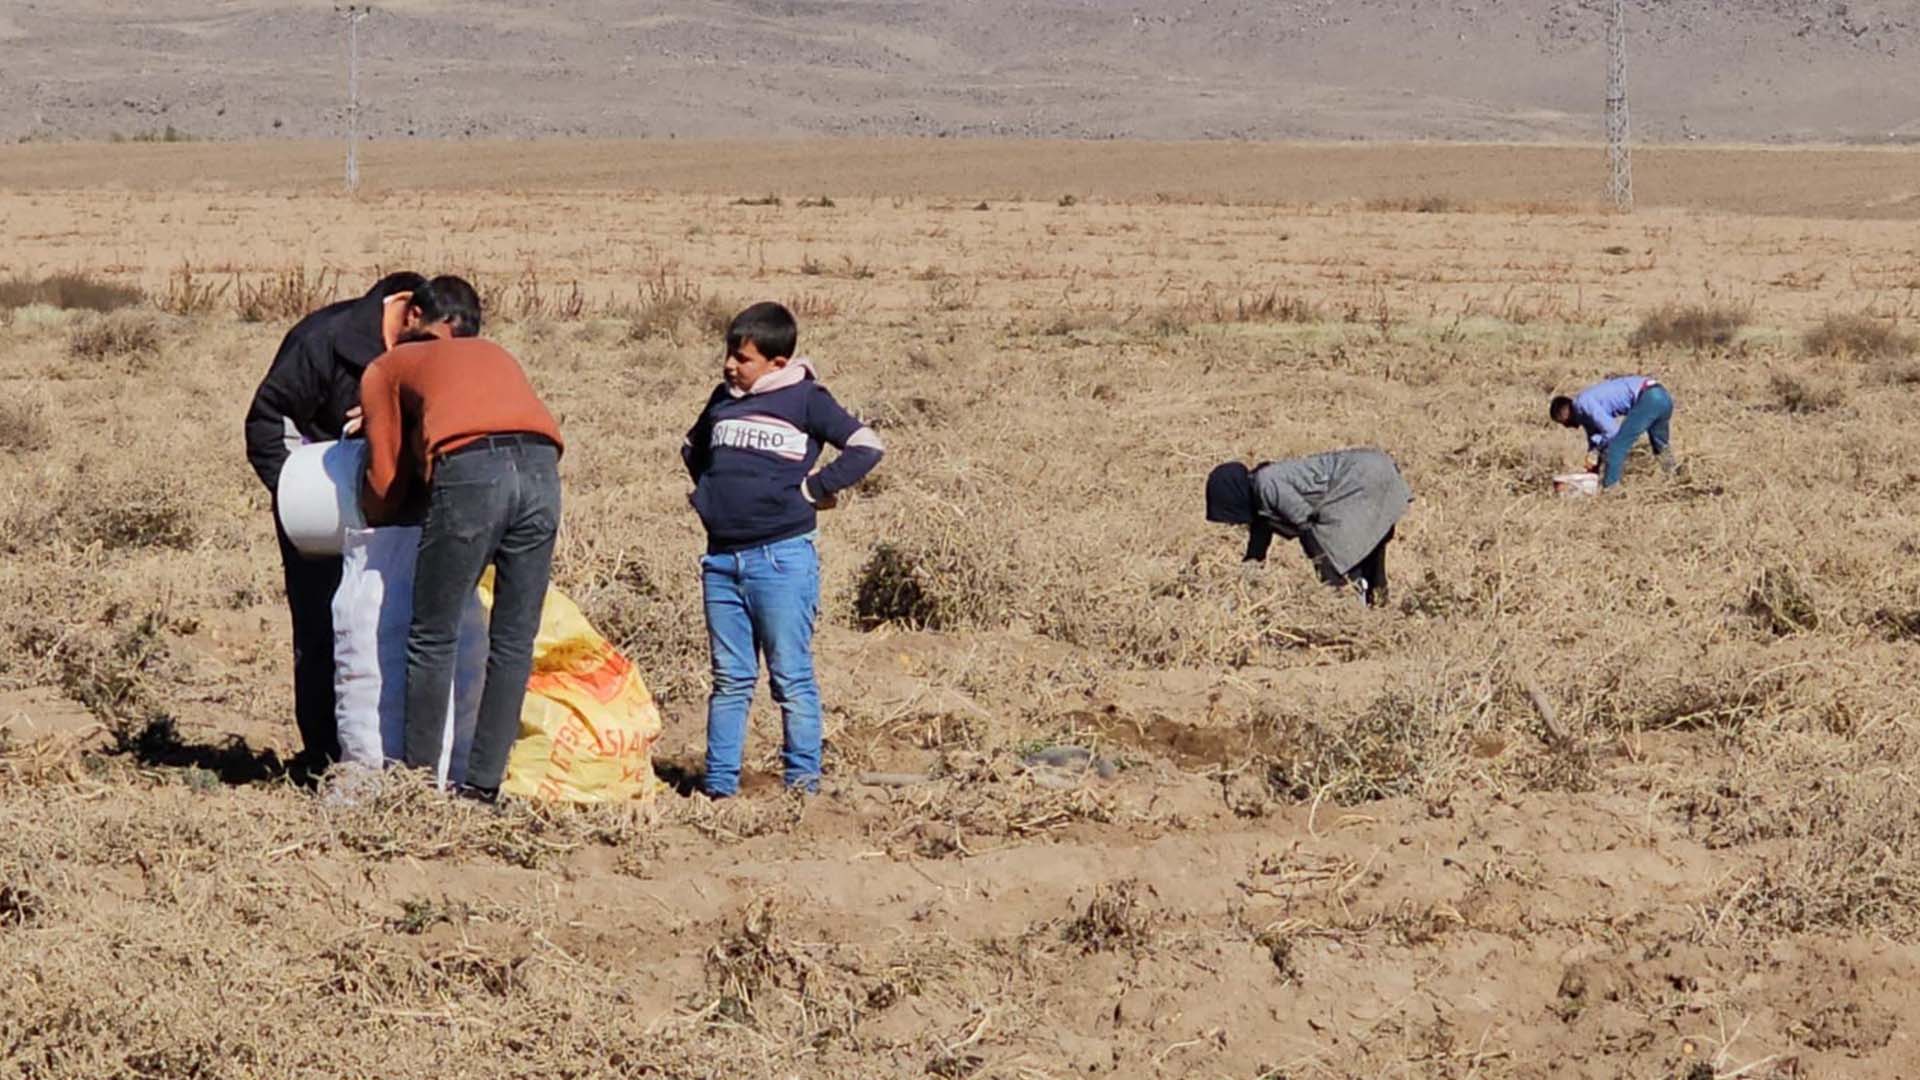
(450, 300)
(397, 282)
(770, 326)
(1560, 401)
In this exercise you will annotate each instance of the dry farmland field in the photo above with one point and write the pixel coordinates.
(1621, 787)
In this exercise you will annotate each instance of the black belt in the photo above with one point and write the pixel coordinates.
(499, 442)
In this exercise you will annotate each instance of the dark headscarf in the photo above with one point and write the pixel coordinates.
(1230, 495)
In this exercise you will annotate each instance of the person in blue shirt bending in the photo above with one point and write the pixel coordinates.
(751, 456)
(1615, 413)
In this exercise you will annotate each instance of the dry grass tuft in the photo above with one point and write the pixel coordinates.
(189, 293)
(398, 813)
(285, 295)
(19, 906)
(1804, 394)
(673, 308)
(1212, 306)
(140, 514)
(24, 426)
(111, 675)
(1781, 603)
(1392, 747)
(1415, 204)
(118, 335)
(1859, 336)
(1117, 918)
(1700, 327)
(933, 584)
(71, 291)
(751, 960)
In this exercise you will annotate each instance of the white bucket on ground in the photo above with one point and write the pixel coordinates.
(1579, 483)
(319, 495)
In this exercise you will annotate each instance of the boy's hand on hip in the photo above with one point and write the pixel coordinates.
(824, 502)
(354, 420)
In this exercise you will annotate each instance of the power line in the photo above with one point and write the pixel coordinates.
(1619, 150)
(353, 13)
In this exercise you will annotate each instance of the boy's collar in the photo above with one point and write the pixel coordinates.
(798, 370)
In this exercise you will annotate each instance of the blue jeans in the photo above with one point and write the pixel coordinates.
(762, 600)
(1649, 416)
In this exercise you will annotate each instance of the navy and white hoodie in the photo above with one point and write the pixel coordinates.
(751, 455)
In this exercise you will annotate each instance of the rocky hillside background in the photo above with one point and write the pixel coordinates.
(1716, 70)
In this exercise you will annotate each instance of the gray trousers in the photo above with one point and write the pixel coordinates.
(494, 503)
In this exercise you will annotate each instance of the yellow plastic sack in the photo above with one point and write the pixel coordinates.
(588, 726)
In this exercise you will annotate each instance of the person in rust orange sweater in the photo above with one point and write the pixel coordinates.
(454, 416)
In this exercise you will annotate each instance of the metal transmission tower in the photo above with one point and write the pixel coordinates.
(353, 13)
(1619, 152)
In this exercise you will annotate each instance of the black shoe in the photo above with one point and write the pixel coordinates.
(1377, 596)
(483, 795)
(306, 770)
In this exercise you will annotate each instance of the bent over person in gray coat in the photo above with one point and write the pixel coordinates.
(1341, 506)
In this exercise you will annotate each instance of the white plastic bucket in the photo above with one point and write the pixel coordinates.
(1579, 483)
(319, 495)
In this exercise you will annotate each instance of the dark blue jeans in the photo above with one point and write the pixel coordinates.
(1649, 416)
(495, 503)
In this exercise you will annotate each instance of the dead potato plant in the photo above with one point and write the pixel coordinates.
(24, 426)
(1802, 395)
(1781, 603)
(70, 291)
(1397, 745)
(118, 335)
(1859, 336)
(1120, 917)
(190, 293)
(285, 295)
(1218, 306)
(1414, 204)
(678, 309)
(935, 582)
(1700, 327)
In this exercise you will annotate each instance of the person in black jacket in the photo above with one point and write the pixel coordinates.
(311, 393)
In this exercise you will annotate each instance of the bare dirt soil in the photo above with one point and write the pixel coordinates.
(1618, 787)
(1719, 70)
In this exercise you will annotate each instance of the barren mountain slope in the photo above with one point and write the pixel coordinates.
(1715, 69)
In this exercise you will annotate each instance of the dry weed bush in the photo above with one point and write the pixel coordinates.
(190, 293)
(1414, 204)
(1120, 916)
(285, 295)
(1781, 603)
(1700, 327)
(1217, 307)
(1859, 336)
(73, 291)
(677, 309)
(936, 584)
(120, 335)
(1805, 394)
(1838, 845)
(24, 426)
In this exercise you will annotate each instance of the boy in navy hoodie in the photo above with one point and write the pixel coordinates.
(751, 456)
